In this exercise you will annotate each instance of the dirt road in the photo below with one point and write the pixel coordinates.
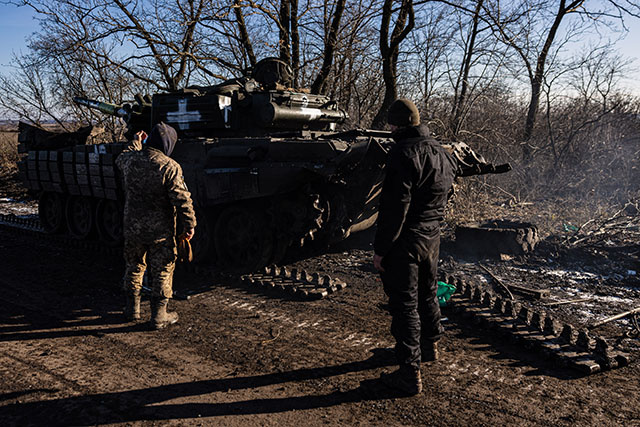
(242, 357)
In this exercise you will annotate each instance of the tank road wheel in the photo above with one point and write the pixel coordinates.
(51, 212)
(80, 217)
(109, 217)
(242, 239)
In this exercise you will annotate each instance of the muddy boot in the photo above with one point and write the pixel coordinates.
(406, 380)
(160, 318)
(132, 307)
(429, 351)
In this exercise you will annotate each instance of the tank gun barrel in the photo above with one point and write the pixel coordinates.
(471, 163)
(274, 113)
(104, 107)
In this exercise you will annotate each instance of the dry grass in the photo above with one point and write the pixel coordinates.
(475, 202)
(8, 151)
(10, 186)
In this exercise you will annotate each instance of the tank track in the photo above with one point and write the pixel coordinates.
(32, 226)
(536, 330)
(302, 284)
(298, 283)
(27, 224)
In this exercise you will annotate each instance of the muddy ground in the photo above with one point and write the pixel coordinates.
(240, 356)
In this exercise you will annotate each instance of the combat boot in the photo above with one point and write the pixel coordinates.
(406, 380)
(132, 307)
(160, 317)
(429, 351)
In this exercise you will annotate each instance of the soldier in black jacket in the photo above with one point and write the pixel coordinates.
(419, 176)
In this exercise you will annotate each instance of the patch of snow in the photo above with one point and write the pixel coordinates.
(575, 276)
(610, 299)
(613, 299)
(561, 273)
(574, 292)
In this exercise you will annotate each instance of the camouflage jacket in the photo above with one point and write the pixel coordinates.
(133, 145)
(154, 192)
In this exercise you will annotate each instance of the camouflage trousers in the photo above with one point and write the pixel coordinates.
(158, 258)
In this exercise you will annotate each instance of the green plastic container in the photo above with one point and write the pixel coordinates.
(445, 291)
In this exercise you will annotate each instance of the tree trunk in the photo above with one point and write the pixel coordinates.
(285, 25)
(331, 41)
(295, 42)
(463, 80)
(536, 81)
(389, 49)
(244, 34)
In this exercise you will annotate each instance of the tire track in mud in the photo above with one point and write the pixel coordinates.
(78, 314)
(88, 329)
(311, 325)
(82, 393)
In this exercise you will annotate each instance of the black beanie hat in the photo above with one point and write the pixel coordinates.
(403, 113)
(163, 137)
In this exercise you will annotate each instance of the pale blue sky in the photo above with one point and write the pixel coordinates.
(16, 24)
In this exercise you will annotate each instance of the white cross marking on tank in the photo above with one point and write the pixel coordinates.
(183, 117)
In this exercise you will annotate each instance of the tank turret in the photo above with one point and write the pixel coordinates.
(258, 104)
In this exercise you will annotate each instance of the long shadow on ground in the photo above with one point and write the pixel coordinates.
(147, 404)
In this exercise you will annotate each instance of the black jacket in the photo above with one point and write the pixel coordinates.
(419, 175)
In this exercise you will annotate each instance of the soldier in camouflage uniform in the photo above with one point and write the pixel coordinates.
(154, 193)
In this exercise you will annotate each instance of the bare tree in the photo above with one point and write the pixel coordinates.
(571, 122)
(389, 50)
(458, 59)
(532, 15)
(26, 95)
(245, 40)
(113, 49)
(354, 80)
(157, 42)
(431, 43)
(462, 83)
(330, 45)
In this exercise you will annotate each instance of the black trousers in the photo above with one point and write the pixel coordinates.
(410, 282)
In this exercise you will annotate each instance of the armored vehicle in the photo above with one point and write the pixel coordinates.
(266, 167)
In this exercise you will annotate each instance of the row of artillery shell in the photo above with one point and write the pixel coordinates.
(296, 282)
(536, 329)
